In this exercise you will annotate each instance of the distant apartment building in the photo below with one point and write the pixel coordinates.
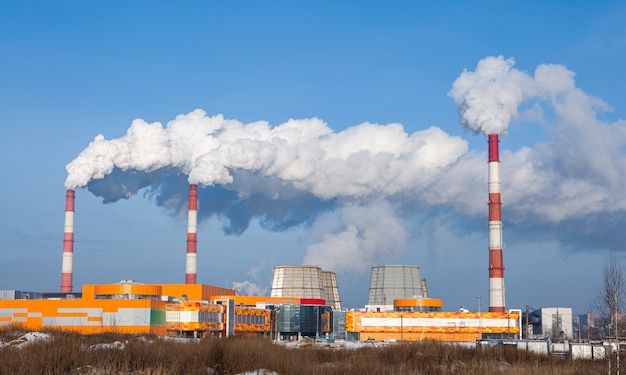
(553, 323)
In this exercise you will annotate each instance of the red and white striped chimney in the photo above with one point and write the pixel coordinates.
(496, 264)
(192, 227)
(68, 244)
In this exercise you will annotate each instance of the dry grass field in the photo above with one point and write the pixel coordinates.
(71, 353)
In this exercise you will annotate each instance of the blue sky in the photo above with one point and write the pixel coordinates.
(71, 71)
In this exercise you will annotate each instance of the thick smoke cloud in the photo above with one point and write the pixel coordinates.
(356, 188)
(284, 176)
(238, 204)
(567, 188)
(357, 238)
(366, 160)
(487, 98)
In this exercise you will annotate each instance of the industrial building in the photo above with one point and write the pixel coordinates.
(195, 310)
(306, 282)
(304, 300)
(125, 307)
(391, 282)
(553, 323)
(163, 310)
(331, 290)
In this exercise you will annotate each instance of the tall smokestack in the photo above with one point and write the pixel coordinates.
(190, 273)
(496, 264)
(68, 244)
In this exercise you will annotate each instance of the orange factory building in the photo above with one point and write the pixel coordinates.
(129, 307)
(194, 310)
(419, 319)
(439, 326)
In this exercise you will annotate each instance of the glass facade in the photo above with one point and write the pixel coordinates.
(289, 319)
(250, 319)
(419, 308)
(304, 320)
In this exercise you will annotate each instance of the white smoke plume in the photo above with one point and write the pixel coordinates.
(249, 288)
(372, 177)
(487, 98)
(569, 187)
(365, 160)
(284, 175)
(357, 238)
(252, 287)
(146, 148)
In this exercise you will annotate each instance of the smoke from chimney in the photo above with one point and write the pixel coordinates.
(285, 175)
(487, 98)
(301, 173)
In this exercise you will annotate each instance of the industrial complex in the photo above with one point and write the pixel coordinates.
(304, 300)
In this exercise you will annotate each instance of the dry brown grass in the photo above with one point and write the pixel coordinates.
(71, 353)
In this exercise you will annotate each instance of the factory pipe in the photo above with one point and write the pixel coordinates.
(68, 244)
(496, 264)
(192, 216)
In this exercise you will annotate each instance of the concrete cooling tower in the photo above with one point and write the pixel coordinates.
(392, 282)
(297, 281)
(331, 290)
(306, 282)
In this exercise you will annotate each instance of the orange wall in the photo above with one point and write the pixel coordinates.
(418, 302)
(128, 289)
(86, 316)
(194, 292)
(185, 316)
(261, 327)
(450, 326)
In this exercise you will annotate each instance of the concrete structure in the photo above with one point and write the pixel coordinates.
(68, 244)
(554, 323)
(192, 229)
(331, 290)
(297, 281)
(588, 320)
(391, 282)
(588, 327)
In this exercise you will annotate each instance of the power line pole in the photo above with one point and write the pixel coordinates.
(526, 328)
(480, 321)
